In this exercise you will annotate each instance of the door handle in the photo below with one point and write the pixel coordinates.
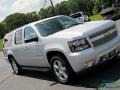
(26, 48)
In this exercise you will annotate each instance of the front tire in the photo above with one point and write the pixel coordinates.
(15, 67)
(61, 69)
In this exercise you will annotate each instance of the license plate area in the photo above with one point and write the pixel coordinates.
(108, 56)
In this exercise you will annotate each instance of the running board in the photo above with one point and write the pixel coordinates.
(44, 69)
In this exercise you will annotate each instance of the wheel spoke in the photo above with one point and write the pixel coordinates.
(64, 75)
(63, 68)
(14, 67)
(55, 66)
(59, 64)
(58, 74)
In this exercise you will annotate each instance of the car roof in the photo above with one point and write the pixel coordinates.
(7, 35)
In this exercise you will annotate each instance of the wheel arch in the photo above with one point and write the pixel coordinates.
(50, 54)
(9, 57)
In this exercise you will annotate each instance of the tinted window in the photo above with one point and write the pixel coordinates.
(29, 35)
(18, 37)
(76, 15)
(84, 13)
(54, 25)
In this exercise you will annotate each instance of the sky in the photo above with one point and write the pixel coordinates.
(8, 7)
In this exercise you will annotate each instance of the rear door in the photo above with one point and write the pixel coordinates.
(18, 46)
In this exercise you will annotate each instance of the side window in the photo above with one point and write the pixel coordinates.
(18, 37)
(30, 35)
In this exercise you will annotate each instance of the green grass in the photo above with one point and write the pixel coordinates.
(96, 17)
(1, 44)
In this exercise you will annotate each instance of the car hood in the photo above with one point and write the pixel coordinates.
(85, 29)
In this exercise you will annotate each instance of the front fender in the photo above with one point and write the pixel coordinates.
(59, 48)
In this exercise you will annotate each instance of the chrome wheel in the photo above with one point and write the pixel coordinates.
(15, 67)
(60, 70)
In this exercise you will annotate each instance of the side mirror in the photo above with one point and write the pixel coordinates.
(67, 26)
(32, 40)
(35, 39)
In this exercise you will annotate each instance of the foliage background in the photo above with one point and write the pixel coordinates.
(92, 7)
(1, 45)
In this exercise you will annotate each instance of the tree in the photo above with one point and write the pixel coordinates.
(31, 17)
(50, 11)
(81, 5)
(73, 5)
(2, 30)
(63, 8)
(42, 13)
(14, 21)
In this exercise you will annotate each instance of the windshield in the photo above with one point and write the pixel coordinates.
(54, 25)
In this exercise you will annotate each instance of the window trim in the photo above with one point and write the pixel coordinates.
(24, 34)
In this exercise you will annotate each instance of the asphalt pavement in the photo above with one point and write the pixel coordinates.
(103, 77)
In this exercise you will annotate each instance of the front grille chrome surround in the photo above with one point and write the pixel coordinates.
(103, 36)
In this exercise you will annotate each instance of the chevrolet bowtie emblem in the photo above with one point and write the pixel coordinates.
(107, 34)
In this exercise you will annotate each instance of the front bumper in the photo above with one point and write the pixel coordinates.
(90, 57)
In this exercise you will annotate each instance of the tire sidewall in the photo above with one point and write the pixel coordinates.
(18, 67)
(61, 59)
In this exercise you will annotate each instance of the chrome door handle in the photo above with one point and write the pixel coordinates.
(26, 48)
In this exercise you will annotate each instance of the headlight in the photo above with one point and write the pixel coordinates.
(79, 45)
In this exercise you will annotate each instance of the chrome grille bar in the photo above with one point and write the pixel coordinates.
(105, 39)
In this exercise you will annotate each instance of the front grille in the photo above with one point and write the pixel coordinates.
(104, 39)
(101, 32)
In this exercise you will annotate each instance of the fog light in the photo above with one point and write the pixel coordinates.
(103, 58)
(89, 63)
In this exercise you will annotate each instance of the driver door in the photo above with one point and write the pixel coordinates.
(30, 40)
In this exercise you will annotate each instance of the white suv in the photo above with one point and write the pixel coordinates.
(61, 44)
(80, 16)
